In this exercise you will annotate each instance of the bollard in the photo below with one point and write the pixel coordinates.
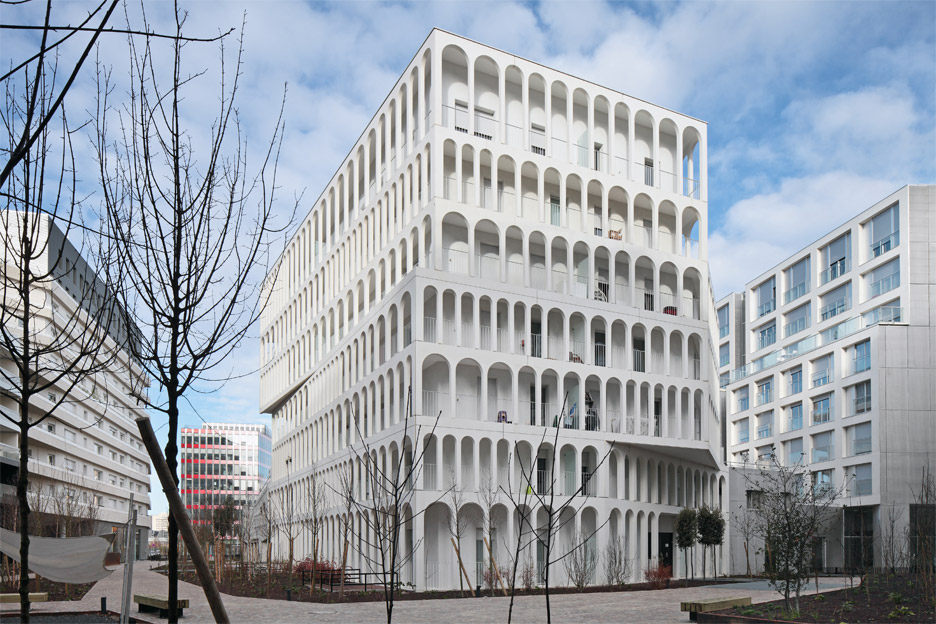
(103, 604)
(478, 593)
(288, 594)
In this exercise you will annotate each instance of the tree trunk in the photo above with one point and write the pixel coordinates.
(747, 558)
(344, 563)
(22, 484)
(171, 452)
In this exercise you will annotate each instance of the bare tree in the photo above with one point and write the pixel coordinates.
(541, 489)
(581, 560)
(60, 327)
(315, 504)
(489, 496)
(744, 522)
(893, 540)
(389, 491)
(194, 233)
(345, 494)
(457, 525)
(616, 564)
(791, 514)
(287, 521)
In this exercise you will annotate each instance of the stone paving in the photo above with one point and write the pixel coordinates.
(645, 607)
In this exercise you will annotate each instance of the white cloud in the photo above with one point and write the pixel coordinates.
(761, 230)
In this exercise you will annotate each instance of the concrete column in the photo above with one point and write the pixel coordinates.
(679, 168)
(459, 179)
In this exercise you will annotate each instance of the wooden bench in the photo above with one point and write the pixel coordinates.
(33, 597)
(149, 602)
(714, 604)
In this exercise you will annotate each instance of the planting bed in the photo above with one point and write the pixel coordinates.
(880, 598)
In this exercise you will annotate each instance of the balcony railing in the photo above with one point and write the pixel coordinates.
(691, 188)
(794, 327)
(821, 378)
(640, 364)
(766, 307)
(429, 476)
(795, 423)
(764, 396)
(743, 436)
(836, 269)
(861, 446)
(834, 309)
(885, 284)
(433, 402)
(885, 244)
(763, 431)
(795, 292)
(743, 404)
(822, 453)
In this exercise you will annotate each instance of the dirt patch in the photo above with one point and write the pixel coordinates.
(878, 599)
(57, 591)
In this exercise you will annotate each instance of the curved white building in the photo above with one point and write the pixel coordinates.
(501, 236)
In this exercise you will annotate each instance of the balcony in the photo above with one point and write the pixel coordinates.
(885, 244)
(883, 285)
(766, 308)
(836, 269)
(795, 292)
(821, 378)
(833, 309)
(640, 364)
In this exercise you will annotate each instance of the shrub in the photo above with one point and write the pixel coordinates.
(901, 611)
(659, 576)
(528, 575)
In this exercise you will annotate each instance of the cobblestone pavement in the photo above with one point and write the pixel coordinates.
(645, 607)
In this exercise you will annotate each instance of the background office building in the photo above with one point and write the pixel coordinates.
(87, 459)
(501, 237)
(220, 460)
(827, 360)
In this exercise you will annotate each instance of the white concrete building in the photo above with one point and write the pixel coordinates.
(827, 360)
(502, 236)
(90, 450)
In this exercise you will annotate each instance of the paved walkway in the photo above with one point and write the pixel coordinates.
(645, 607)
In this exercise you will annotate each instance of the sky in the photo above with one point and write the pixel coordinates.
(815, 110)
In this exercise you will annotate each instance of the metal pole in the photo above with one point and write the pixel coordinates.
(177, 509)
(131, 558)
(124, 608)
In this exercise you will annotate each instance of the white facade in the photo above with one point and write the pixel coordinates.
(468, 250)
(90, 449)
(838, 368)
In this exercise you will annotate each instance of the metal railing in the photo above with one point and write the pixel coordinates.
(885, 284)
(834, 309)
(836, 269)
(885, 244)
(429, 476)
(861, 363)
(764, 431)
(639, 361)
(766, 307)
(795, 292)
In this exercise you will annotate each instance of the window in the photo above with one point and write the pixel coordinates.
(883, 279)
(99, 449)
(98, 475)
(767, 335)
(835, 255)
(859, 439)
(795, 381)
(724, 355)
(884, 231)
(50, 428)
(887, 313)
(648, 171)
(822, 370)
(766, 297)
(797, 279)
(794, 451)
(765, 425)
(835, 302)
(51, 459)
(743, 433)
(723, 326)
(741, 397)
(861, 358)
(796, 321)
(765, 456)
(723, 379)
(822, 410)
(822, 447)
(795, 417)
(753, 498)
(861, 398)
(860, 480)
(764, 391)
(822, 481)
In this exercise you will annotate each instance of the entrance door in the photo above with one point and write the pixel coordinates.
(666, 549)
